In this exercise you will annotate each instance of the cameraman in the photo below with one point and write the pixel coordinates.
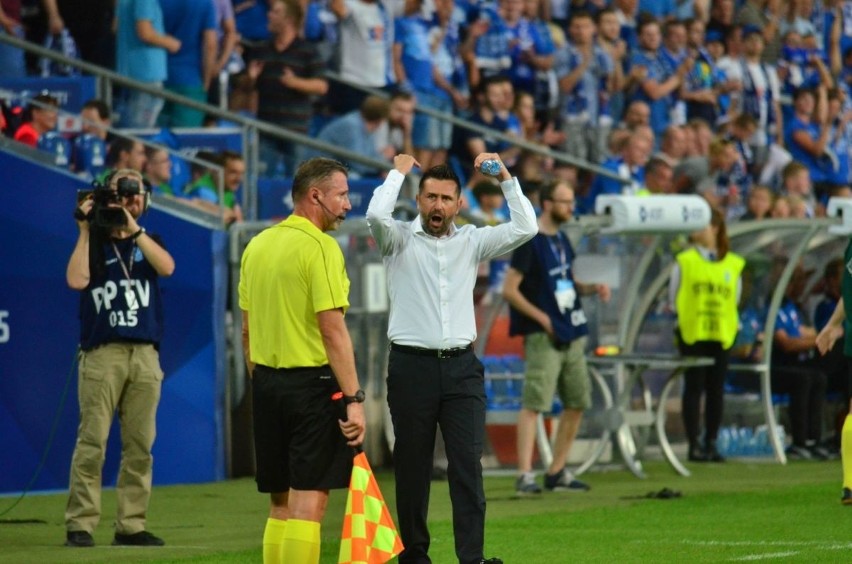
(116, 266)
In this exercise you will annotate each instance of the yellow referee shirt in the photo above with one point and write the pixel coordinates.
(288, 274)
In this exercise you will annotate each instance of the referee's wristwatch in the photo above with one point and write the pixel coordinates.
(359, 397)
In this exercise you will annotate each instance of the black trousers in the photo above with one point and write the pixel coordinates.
(806, 384)
(423, 393)
(707, 380)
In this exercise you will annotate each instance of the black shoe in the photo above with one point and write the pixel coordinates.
(79, 538)
(492, 561)
(821, 453)
(798, 452)
(712, 454)
(697, 454)
(142, 538)
(846, 498)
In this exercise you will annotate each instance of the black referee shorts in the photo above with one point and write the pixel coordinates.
(297, 439)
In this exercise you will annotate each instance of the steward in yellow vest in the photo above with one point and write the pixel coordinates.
(707, 298)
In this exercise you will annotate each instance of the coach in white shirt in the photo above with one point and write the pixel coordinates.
(433, 376)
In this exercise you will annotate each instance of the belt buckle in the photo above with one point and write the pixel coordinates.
(444, 353)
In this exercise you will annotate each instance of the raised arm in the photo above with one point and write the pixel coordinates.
(522, 226)
(380, 210)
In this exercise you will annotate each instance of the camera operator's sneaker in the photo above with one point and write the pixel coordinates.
(525, 485)
(564, 481)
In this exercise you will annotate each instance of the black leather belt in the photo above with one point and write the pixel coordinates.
(434, 353)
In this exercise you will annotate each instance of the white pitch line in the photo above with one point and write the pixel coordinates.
(826, 545)
(767, 556)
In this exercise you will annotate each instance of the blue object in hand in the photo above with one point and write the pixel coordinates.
(490, 167)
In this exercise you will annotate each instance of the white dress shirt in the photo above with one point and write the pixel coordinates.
(431, 279)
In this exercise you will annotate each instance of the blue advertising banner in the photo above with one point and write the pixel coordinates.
(39, 333)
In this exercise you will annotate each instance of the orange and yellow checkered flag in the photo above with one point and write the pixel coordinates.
(369, 534)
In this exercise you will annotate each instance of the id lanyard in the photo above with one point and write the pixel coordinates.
(129, 295)
(564, 294)
(559, 255)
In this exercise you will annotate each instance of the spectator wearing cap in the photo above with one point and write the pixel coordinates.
(715, 48)
(765, 15)
(43, 116)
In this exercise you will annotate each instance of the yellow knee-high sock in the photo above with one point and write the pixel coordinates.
(301, 542)
(846, 451)
(273, 540)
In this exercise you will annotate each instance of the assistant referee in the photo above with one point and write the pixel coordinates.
(293, 294)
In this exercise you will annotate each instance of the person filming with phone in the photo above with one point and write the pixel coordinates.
(116, 266)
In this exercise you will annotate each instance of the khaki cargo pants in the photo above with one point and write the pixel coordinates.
(127, 378)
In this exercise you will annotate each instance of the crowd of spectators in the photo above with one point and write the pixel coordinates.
(726, 92)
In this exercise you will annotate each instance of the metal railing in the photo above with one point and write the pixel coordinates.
(254, 127)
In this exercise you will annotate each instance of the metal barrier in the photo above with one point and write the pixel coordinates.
(638, 322)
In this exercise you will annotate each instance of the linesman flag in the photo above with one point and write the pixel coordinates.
(369, 534)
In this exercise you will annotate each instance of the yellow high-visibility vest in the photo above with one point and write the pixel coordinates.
(707, 298)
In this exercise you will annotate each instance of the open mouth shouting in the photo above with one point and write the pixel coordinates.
(435, 223)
